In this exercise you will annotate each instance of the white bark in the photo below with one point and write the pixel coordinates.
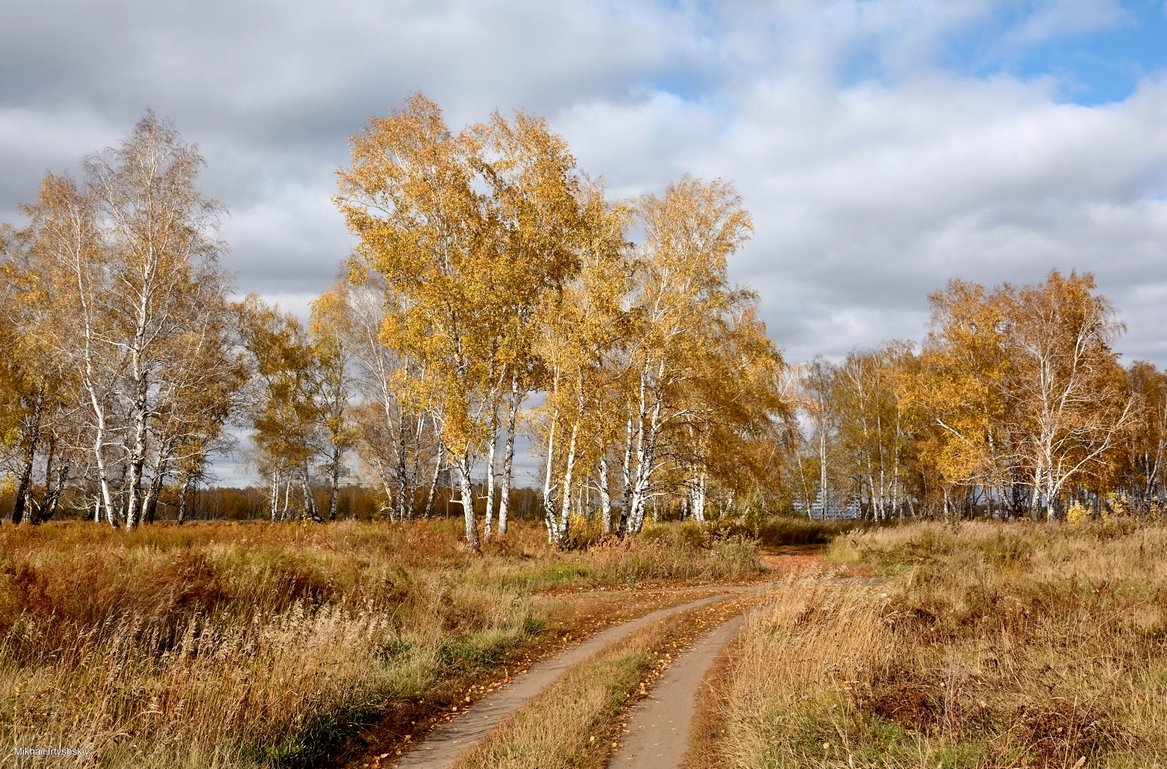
(488, 526)
(508, 457)
(605, 498)
(466, 485)
(564, 529)
(549, 518)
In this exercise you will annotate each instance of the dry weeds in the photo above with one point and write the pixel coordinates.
(241, 645)
(986, 645)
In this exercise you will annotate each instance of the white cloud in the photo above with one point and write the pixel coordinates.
(873, 175)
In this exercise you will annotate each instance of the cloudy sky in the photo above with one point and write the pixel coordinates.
(882, 147)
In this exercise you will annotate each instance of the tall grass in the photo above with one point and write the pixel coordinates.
(234, 645)
(987, 645)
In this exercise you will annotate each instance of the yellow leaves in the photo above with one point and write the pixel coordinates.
(470, 232)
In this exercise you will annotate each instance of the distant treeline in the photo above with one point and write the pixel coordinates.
(228, 503)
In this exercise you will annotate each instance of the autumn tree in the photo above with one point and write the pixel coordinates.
(123, 311)
(410, 199)
(467, 230)
(39, 391)
(963, 395)
(158, 234)
(1146, 451)
(68, 283)
(872, 426)
(680, 290)
(1072, 404)
(815, 470)
(580, 329)
(1025, 388)
(284, 407)
(396, 437)
(739, 427)
(334, 388)
(31, 393)
(544, 221)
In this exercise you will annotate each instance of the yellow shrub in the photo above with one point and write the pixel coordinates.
(1078, 513)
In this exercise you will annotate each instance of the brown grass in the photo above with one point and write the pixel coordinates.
(985, 645)
(237, 645)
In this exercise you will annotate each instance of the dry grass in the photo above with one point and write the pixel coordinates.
(987, 645)
(242, 645)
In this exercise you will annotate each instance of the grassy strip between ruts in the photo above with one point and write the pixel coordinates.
(576, 723)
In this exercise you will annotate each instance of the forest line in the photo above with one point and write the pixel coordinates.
(489, 269)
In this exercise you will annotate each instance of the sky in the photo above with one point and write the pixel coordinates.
(882, 148)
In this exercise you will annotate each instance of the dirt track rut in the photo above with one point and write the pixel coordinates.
(441, 747)
(659, 727)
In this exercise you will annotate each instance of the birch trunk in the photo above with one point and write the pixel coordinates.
(645, 459)
(605, 498)
(564, 531)
(508, 457)
(432, 492)
(627, 478)
(137, 453)
(488, 525)
(183, 499)
(700, 495)
(274, 498)
(467, 491)
(402, 501)
(549, 519)
(334, 485)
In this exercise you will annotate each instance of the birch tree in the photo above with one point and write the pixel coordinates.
(963, 395)
(680, 288)
(68, 256)
(741, 429)
(581, 327)
(872, 426)
(395, 436)
(334, 390)
(1072, 402)
(1146, 452)
(158, 231)
(410, 199)
(467, 230)
(1026, 389)
(537, 218)
(284, 409)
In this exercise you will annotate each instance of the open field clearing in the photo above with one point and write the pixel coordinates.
(976, 645)
(235, 645)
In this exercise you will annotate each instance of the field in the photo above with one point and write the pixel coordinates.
(961, 646)
(956, 645)
(249, 645)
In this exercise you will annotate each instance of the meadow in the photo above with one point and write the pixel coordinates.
(261, 645)
(961, 646)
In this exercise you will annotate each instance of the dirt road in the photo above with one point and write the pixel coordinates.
(443, 745)
(658, 730)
